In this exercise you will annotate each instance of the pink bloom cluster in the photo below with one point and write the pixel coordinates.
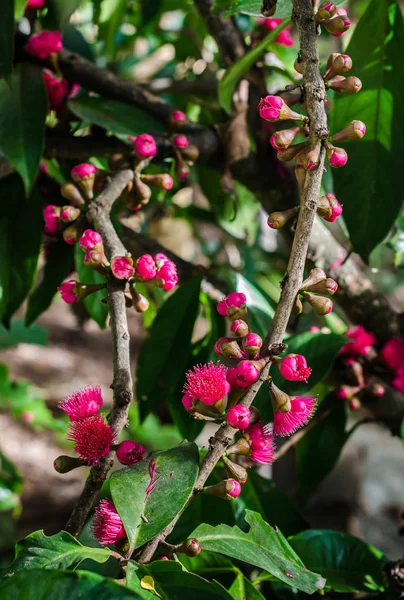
(360, 342)
(158, 268)
(43, 44)
(107, 527)
(144, 145)
(261, 441)
(57, 89)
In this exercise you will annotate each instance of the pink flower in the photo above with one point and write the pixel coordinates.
(178, 117)
(122, 267)
(293, 367)
(187, 402)
(51, 215)
(242, 376)
(90, 239)
(261, 440)
(180, 141)
(239, 416)
(83, 171)
(393, 353)
(82, 404)
(285, 37)
(233, 488)
(145, 146)
(301, 410)
(145, 267)
(56, 89)
(166, 271)
(93, 439)
(361, 343)
(398, 381)
(67, 292)
(207, 383)
(43, 44)
(337, 157)
(36, 4)
(129, 452)
(233, 301)
(107, 527)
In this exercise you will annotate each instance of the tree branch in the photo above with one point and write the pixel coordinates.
(98, 216)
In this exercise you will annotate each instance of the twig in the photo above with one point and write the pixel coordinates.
(98, 215)
(315, 94)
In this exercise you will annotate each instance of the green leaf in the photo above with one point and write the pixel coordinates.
(229, 81)
(19, 334)
(96, 308)
(145, 515)
(23, 108)
(349, 564)
(266, 498)
(114, 116)
(318, 451)
(38, 584)
(165, 354)
(59, 13)
(243, 589)
(19, 8)
(21, 227)
(59, 551)
(320, 350)
(111, 17)
(171, 581)
(363, 182)
(75, 41)
(262, 547)
(6, 39)
(252, 8)
(10, 486)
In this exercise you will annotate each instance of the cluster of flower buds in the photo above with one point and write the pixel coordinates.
(334, 20)
(93, 437)
(316, 290)
(328, 209)
(285, 37)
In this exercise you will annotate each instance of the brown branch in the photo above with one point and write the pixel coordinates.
(98, 216)
(315, 94)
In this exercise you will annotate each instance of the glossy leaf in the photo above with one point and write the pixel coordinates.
(97, 309)
(21, 227)
(19, 334)
(23, 108)
(111, 17)
(348, 563)
(58, 266)
(144, 514)
(363, 182)
(59, 551)
(253, 8)
(59, 13)
(262, 547)
(6, 39)
(11, 484)
(165, 354)
(114, 116)
(243, 589)
(75, 41)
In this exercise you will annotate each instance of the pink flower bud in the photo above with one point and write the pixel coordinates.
(337, 157)
(161, 181)
(129, 452)
(342, 13)
(180, 141)
(71, 192)
(65, 464)
(95, 259)
(235, 471)
(228, 347)
(285, 37)
(67, 291)
(329, 208)
(90, 239)
(107, 527)
(166, 271)
(328, 287)
(190, 547)
(232, 305)
(182, 170)
(227, 489)
(326, 10)
(122, 267)
(82, 404)
(207, 383)
(273, 108)
(84, 176)
(56, 89)
(36, 4)
(69, 213)
(338, 25)
(234, 488)
(311, 158)
(393, 353)
(349, 85)
(252, 344)
(281, 140)
(51, 215)
(43, 44)
(145, 267)
(320, 305)
(337, 64)
(71, 234)
(291, 152)
(377, 390)
(354, 131)
(239, 328)
(187, 401)
(178, 118)
(145, 146)
(239, 416)
(293, 367)
(242, 376)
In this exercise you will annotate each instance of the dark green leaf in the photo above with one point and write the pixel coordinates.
(97, 309)
(6, 39)
(19, 334)
(243, 589)
(171, 581)
(21, 227)
(10, 485)
(348, 564)
(362, 184)
(59, 551)
(58, 266)
(111, 17)
(23, 108)
(38, 584)
(59, 13)
(145, 515)
(262, 547)
(115, 116)
(253, 7)
(75, 41)
(165, 354)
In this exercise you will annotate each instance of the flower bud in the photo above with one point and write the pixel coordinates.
(252, 344)
(291, 152)
(354, 404)
(311, 159)
(65, 464)
(239, 416)
(254, 415)
(96, 260)
(228, 347)
(44, 44)
(180, 142)
(71, 192)
(298, 66)
(190, 547)
(239, 328)
(122, 267)
(273, 108)
(337, 64)
(293, 367)
(328, 287)
(338, 25)
(337, 157)
(357, 370)
(280, 400)
(329, 208)
(276, 220)
(320, 305)
(90, 240)
(129, 452)
(144, 146)
(181, 170)
(178, 118)
(161, 181)
(354, 131)
(233, 306)
(377, 390)
(315, 276)
(74, 291)
(190, 153)
(349, 85)
(84, 176)
(227, 489)
(69, 213)
(281, 140)
(51, 214)
(139, 302)
(300, 174)
(326, 10)
(297, 307)
(244, 375)
(235, 471)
